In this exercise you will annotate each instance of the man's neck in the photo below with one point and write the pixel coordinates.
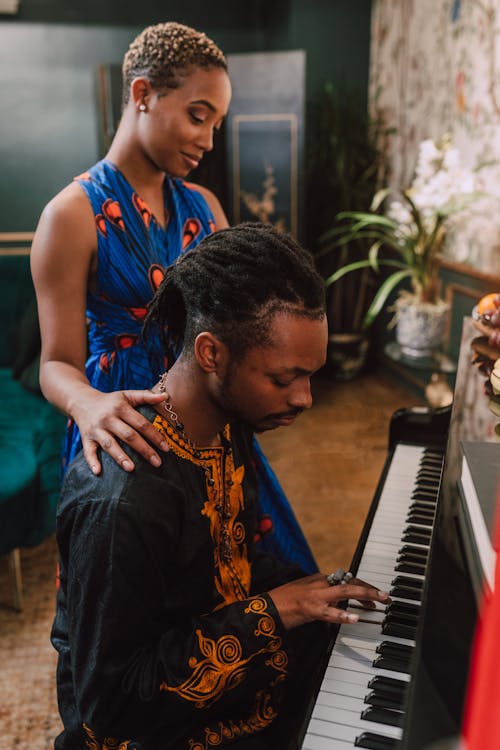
(202, 420)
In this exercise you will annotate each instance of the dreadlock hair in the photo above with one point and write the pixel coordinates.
(164, 52)
(232, 284)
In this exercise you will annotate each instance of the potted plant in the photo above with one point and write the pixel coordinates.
(346, 163)
(405, 239)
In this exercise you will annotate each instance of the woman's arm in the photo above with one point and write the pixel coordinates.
(62, 258)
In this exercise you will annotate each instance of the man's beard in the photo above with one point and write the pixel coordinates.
(225, 401)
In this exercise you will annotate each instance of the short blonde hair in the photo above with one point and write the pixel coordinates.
(162, 51)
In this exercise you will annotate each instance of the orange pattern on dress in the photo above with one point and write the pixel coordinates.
(190, 231)
(142, 209)
(113, 213)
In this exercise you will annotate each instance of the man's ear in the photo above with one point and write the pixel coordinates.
(210, 352)
(140, 91)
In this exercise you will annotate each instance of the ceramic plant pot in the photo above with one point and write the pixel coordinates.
(347, 354)
(420, 326)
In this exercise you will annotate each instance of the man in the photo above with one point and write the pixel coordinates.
(171, 631)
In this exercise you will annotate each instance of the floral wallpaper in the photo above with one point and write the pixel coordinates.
(435, 70)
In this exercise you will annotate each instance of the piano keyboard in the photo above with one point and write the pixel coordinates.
(360, 702)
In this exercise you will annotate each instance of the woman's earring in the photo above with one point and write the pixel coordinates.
(142, 107)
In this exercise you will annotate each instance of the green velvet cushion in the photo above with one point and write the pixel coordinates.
(31, 433)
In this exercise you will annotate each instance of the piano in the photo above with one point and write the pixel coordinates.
(398, 677)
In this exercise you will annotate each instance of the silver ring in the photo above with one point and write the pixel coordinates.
(339, 576)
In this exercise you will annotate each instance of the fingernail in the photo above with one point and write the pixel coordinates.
(383, 594)
(352, 618)
(164, 445)
(155, 460)
(94, 469)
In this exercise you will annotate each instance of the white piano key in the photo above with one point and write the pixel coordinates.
(336, 731)
(337, 700)
(354, 641)
(345, 675)
(353, 720)
(344, 688)
(345, 662)
(334, 707)
(313, 742)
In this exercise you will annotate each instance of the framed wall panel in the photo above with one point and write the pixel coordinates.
(266, 138)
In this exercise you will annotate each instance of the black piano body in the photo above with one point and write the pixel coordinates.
(434, 698)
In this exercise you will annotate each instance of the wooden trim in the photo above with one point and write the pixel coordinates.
(16, 236)
(16, 579)
(466, 270)
(451, 289)
(13, 251)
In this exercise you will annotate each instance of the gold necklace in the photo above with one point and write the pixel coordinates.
(171, 414)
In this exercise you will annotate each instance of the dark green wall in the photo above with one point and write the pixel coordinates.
(50, 51)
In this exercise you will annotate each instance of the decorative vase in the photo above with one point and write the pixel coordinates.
(420, 326)
(347, 354)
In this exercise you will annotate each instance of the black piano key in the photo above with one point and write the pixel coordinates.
(411, 536)
(422, 509)
(399, 630)
(407, 620)
(414, 559)
(418, 530)
(424, 496)
(408, 567)
(403, 608)
(432, 476)
(419, 519)
(408, 549)
(374, 741)
(405, 592)
(399, 650)
(395, 665)
(424, 483)
(381, 716)
(413, 583)
(383, 700)
(388, 684)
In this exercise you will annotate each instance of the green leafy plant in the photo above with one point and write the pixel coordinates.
(406, 239)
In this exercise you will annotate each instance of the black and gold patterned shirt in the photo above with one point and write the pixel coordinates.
(165, 633)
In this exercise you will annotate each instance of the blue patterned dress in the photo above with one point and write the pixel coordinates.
(133, 252)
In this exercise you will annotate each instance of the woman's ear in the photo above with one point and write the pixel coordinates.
(140, 91)
(210, 352)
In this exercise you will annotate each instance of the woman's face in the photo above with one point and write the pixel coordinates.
(178, 126)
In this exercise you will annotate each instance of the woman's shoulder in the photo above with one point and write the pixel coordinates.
(210, 199)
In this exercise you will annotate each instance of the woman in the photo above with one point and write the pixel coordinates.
(103, 242)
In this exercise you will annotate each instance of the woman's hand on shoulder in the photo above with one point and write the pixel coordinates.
(105, 418)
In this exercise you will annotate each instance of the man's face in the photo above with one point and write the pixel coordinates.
(271, 386)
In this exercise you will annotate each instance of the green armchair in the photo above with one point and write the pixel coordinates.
(31, 430)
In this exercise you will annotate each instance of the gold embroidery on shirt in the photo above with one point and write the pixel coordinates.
(232, 576)
(223, 666)
(261, 717)
(108, 744)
